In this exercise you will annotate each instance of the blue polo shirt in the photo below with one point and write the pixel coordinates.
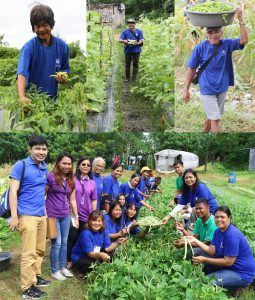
(234, 244)
(131, 194)
(201, 191)
(111, 187)
(133, 231)
(111, 227)
(219, 74)
(127, 35)
(142, 185)
(87, 241)
(99, 183)
(31, 199)
(37, 62)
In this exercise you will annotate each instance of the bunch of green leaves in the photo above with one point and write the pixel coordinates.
(211, 7)
(156, 67)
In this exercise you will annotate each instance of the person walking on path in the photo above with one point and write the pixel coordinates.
(132, 38)
(28, 215)
(218, 74)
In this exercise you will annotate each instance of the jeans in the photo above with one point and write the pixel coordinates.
(227, 279)
(128, 59)
(58, 251)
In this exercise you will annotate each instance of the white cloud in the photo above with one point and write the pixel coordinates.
(70, 17)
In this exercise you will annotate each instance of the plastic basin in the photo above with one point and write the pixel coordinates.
(203, 19)
(5, 260)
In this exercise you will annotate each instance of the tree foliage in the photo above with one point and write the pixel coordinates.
(232, 149)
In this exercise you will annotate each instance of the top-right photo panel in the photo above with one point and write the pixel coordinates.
(214, 66)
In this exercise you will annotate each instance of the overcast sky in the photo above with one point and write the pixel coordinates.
(70, 20)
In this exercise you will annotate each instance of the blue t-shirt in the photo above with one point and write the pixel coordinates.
(131, 194)
(37, 62)
(31, 199)
(127, 35)
(201, 191)
(99, 183)
(142, 185)
(111, 187)
(219, 74)
(234, 244)
(112, 227)
(87, 241)
(133, 231)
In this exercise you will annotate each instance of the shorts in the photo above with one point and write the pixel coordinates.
(213, 105)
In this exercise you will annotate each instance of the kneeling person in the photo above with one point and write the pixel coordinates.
(94, 244)
(204, 226)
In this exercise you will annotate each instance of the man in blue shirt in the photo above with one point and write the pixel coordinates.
(132, 38)
(218, 75)
(42, 56)
(27, 204)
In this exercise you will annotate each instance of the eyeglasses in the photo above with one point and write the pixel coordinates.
(85, 165)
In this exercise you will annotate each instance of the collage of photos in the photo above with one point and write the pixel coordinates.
(127, 158)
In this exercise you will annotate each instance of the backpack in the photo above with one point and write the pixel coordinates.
(5, 211)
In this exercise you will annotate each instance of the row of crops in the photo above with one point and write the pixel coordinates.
(156, 69)
(151, 268)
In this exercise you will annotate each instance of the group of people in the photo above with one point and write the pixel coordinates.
(94, 214)
(218, 243)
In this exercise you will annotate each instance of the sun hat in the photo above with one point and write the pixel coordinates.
(145, 169)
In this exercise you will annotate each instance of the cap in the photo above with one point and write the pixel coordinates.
(212, 28)
(131, 21)
(145, 169)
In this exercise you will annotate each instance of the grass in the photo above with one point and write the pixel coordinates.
(215, 177)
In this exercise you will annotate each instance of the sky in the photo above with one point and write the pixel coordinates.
(70, 20)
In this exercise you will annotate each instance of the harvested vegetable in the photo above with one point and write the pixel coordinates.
(149, 221)
(179, 217)
(187, 241)
(62, 74)
(211, 7)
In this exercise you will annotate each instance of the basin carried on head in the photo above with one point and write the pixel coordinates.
(5, 260)
(211, 19)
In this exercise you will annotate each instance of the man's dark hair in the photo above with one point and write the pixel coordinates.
(41, 13)
(35, 140)
(202, 201)
(178, 162)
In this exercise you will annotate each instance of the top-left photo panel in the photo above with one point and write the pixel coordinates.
(42, 66)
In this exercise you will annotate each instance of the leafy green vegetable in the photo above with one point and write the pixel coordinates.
(211, 7)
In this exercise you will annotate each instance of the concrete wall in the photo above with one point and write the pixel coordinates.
(111, 13)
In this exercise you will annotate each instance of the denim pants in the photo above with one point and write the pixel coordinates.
(58, 251)
(227, 279)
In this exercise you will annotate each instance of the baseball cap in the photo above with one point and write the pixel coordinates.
(131, 21)
(212, 28)
(145, 169)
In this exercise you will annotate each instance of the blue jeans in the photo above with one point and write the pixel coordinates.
(227, 279)
(58, 251)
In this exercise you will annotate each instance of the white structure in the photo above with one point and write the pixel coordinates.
(165, 159)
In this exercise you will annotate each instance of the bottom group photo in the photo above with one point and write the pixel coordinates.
(145, 216)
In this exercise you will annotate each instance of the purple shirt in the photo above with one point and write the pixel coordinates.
(58, 198)
(86, 191)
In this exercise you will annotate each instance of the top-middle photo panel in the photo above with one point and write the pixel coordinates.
(130, 65)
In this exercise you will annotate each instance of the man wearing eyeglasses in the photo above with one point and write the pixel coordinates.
(132, 38)
(216, 78)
